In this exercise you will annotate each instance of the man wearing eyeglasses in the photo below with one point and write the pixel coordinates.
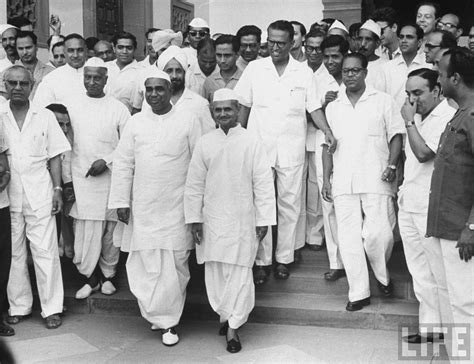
(249, 37)
(369, 128)
(198, 29)
(275, 94)
(386, 18)
(450, 22)
(438, 39)
(58, 55)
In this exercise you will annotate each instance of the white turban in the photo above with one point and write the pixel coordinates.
(95, 62)
(163, 38)
(225, 94)
(154, 72)
(173, 52)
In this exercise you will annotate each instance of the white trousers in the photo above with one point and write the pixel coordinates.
(288, 185)
(40, 228)
(158, 279)
(425, 263)
(329, 215)
(230, 291)
(94, 244)
(460, 287)
(310, 222)
(364, 226)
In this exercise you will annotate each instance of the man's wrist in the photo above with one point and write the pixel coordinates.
(409, 124)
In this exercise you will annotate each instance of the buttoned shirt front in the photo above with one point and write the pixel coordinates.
(3, 148)
(278, 107)
(123, 84)
(414, 193)
(215, 81)
(374, 74)
(363, 132)
(39, 72)
(30, 148)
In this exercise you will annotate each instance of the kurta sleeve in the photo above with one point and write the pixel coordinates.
(57, 142)
(244, 86)
(207, 122)
(121, 120)
(313, 101)
(123, 170)
(195, 132)
(263, 189)
(195, 187)
(66, 169)
(393, 119)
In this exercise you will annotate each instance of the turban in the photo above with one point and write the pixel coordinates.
(173, 52)
(225, 94)
(164, 38)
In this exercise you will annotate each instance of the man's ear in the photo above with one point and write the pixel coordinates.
(394, 27)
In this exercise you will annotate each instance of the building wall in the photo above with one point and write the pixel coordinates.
(162, 11)
(71, 16)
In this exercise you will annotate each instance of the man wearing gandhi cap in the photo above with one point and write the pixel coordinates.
(197, 29)
(151, 163)
(97, 121)
(230, 201)
(8, 35)
(338, 28)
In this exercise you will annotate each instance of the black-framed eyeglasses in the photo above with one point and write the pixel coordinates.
(430, 46)
(272, 43)
(382, 29)
(195, 33)
(22, 84)
(249, 45)
(355, 71)
(310, 49)
(446, 25)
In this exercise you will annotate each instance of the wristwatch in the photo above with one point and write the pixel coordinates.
(409, 124)
(393, 167)
(470, 226)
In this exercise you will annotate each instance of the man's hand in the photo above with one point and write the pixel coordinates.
(4, 178)
(55, 24)
(388, 175)
(261, 231)
(330, 141)
(326, 191)
(466, 245)
(408, 110)
(196, 230)
(123, 214)
(97, 168)
(57, 202)
(330, 97)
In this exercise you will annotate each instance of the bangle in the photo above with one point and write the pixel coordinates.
(58, 188)
(409, 124)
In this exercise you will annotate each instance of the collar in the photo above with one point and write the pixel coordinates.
(232, 131)
(419, 59)
(291, 66)
(369, 91)
(132, 65)
(216, 75)
(71, 69)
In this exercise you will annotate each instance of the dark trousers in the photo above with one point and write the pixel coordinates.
(5, 256)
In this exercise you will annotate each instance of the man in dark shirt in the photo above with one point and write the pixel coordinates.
(451, 206)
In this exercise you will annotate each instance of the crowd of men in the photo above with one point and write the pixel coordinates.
(332, 134)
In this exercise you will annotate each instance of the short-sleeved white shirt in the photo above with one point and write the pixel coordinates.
(123, 84)
(278, 107)
(414, 193)
(363, 132)
(30, 148)
(3, 148)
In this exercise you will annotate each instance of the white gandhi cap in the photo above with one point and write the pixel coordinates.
(95, 62)
(338, 25)
(373, 27)
(198, 23)
(225, 94)
(156, 73)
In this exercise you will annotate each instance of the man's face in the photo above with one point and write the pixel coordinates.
(353, 75)
(437, 57)
(445, 80)
(264, 50)
(149, 48)
(104, 51)
(312, 47)
(95, 79)
(18, 86)
(75, 52)
(450, 23)
(125, 51)
(409, 43)
(90, 53)
(389, 33)
(225, 113)
(426, 18)
(207, 61)
(333, 60)
(249, 47)
(226, 57)
(176, 72)
(471, 39)
(298, 37)
(59, 56)
(418, 90)
(196, 34)
(157, 93)
(63, 121)
(432, 45)
(368, 42)
(26, 50)
(9, 41)
(279, 45)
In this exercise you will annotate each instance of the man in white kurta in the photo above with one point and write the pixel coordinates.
(229, 195)
(97, 121)
(151, 162)
(368, 127)
(65, 83)
(34, 138)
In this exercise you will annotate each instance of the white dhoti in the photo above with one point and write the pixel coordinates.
(425, 263)
(40, 228)
(365, 226)
(94, 244)
(158, 279)
(230, 291)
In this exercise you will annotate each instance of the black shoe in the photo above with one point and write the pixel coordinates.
(6, 330)
(418, 339)
(281, 271)
(223, 329)
(387, 290)
(357, 305)
(297, 256)
(234, 345)
(260, 275)
(334, 274)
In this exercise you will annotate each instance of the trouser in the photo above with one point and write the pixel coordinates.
(65, 235)
(424, 261)
(364, 226)
(288, 184)
(230, 291)
(460, 287)
(94, 244)
(5, 256)
(40, 228)
(329, 215)
(158, 279)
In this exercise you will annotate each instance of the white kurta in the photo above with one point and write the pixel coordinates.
(97, 125)
(230, 189)
(152, 158)
(123, 83)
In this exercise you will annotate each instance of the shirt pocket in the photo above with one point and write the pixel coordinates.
(297, 99)
(37, 147)
(375, 127)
